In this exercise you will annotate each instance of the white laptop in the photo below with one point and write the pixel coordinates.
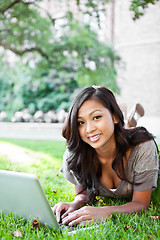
(22, 194)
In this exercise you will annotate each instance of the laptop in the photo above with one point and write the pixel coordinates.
(22, 194)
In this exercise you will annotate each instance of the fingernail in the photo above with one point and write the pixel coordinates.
(63, 222)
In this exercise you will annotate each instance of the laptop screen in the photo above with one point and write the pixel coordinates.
(22, 194)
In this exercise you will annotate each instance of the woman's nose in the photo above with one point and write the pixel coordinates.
(90, 127)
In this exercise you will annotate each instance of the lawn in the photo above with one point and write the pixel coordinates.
(49, 154)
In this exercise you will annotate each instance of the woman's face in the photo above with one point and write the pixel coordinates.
(96, 125)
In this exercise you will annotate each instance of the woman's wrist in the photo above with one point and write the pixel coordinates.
(79, 201)
(108, 210)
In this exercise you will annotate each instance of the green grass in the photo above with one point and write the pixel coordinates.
(138, 226)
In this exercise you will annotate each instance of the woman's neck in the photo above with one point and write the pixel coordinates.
(107, 155)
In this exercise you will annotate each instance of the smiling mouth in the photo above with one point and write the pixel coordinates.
(94, 138)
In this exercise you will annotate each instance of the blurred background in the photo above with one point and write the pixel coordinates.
(50, 49)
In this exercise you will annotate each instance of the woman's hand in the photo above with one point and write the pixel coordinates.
(62, 209)
(86, 215)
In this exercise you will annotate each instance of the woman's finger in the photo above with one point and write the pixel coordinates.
(75, 218)
(60, 208)
(58, 213)
(54, 208)
(65, 214)
(80, 219)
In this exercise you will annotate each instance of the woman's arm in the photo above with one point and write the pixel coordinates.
(87, 214)
(80, 199)
(140, 202)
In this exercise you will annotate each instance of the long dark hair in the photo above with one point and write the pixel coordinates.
(83, 159)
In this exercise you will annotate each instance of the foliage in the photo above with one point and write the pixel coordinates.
(23, 29)
(138, 7)
(22, 34)
(93, 60)
(27, 90)
(75, 58)
(50, 92)
(95, 8)
(49, 153)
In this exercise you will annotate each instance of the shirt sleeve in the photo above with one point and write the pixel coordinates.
(146, 167)
(68, 174)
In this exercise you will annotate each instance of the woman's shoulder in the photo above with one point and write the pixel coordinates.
(145, 156)
(66, 154)
(145, 147)
(69, 174)
(150, 144)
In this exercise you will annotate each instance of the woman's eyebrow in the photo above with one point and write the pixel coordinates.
(91, 113)
(97, 110)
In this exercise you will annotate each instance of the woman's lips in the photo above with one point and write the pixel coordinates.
(94, 138)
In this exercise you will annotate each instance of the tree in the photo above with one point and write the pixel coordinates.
(74, 54)
(23, 29)
(53, 61)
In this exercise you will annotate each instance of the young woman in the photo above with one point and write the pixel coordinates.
(105, 159)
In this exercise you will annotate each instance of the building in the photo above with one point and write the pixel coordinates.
(138, 43)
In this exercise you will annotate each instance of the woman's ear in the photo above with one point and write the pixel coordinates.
(115, 119)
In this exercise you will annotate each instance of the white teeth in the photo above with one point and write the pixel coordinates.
(94, 137)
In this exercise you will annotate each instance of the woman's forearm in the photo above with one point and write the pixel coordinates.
(127, 208)
(131, 207)
(140, 202)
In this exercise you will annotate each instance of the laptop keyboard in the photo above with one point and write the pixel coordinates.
(77, 227)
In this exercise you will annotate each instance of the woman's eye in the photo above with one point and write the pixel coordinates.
(80, 123)
(97, 117)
